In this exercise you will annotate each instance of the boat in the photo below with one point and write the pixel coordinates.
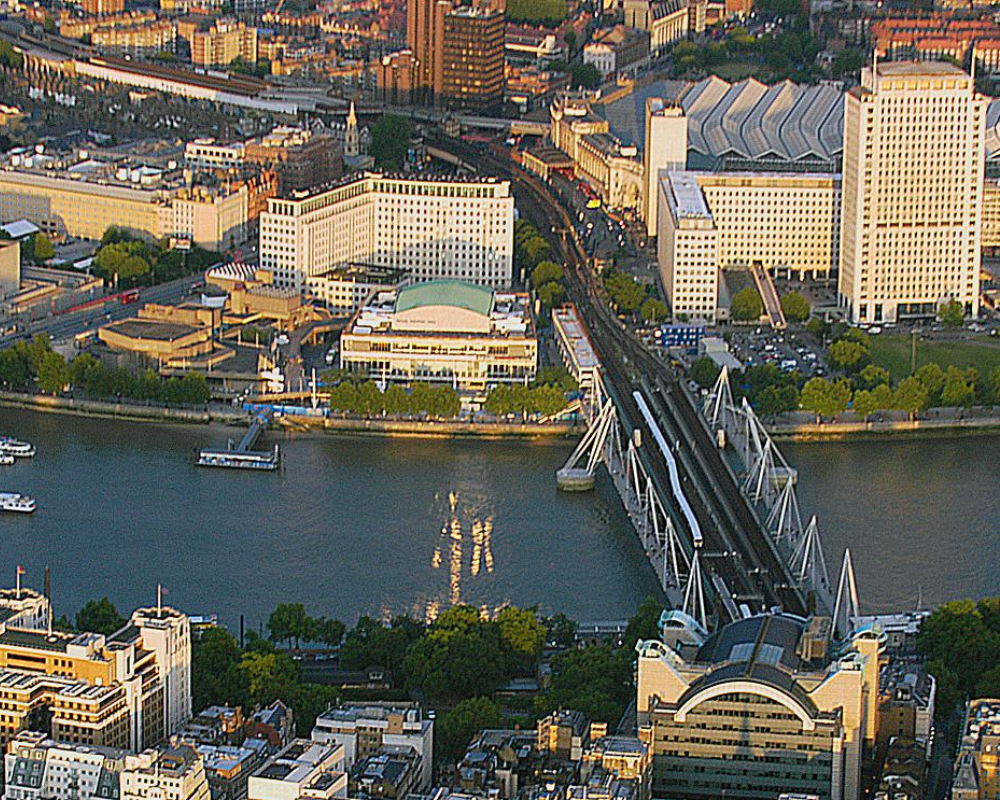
(18, 503)
(6, 459)
(15, 447)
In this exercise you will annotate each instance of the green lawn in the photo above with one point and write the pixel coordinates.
(893, 353)
(737, 70)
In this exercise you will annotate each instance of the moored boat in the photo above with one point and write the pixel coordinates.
(17, 503)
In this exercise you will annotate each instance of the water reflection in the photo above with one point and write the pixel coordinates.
(453, 538)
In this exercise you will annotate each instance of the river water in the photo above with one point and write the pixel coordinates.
(381, 525)
(349, 526)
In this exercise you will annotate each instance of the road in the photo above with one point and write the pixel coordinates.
(66, 326)
(736, 547)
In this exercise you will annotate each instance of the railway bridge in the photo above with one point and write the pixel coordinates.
(711, 498)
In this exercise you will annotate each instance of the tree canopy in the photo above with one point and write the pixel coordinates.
(747, 305)
(99, 616)
(390, 141)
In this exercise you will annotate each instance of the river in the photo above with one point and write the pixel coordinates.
(349, 526)
(388, 525)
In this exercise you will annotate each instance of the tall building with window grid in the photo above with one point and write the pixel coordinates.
(912, 192)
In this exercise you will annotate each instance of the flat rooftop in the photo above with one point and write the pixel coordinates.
(893, 69)
(153, 330)
(576, 337)
(686, 195)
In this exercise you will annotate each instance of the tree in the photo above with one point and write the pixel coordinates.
(53, 373)
(863, 404)
(43, 249)
(951, 314)
(328, 631)
(370, 643)
(455, 729)
(847, 62)
(910, 396)
(644, 624)
(99, 616)
(545, 272)
(269, 676)
(848, 355)
(704, 372)
(289, 622)
(461, 656)
(795, 307)
(775, 400)
(124, 261)
(523, 633)
(216, 677)
(747, 305)
(560, 630)
(873, 375)
(390, 141)
(959, 387)
(584, 75)
(595, 680)
(653, 310)
(551, 294)
(931, 376)
(824, 398)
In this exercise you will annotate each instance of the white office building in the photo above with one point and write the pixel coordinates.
(913, 191)
(788, 222)
(665, 150)
(687, 248)
(167, 633)
(434, 229)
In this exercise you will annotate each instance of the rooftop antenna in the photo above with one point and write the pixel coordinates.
(875, 69)
(17, 583)
(159, 599)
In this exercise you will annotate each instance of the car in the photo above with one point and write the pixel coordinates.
(282, 339)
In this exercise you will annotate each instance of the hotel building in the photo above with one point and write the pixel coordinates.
(759, 709)
(445, 331)
(434, 229)
(913, 192)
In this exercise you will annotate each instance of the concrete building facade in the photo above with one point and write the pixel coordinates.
(913, 191)
(433, 229)
(687, 248)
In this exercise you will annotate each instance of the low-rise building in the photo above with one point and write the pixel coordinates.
(562, 733)
(760, 708)
(275, 724)
(37, 767)
(392, 773)
(577, 350)
(176, 772)
(303, 770)
(977, 766)
(666, 21)
(615, 49)
(906, 704)
(344, 291)
(446, 331)
(363, 730)
(228, 767)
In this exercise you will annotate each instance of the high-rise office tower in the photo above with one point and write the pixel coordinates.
(458, 52)
(473, 50)
(912, 192)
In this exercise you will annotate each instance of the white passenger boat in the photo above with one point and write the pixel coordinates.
(16, 448)
(6, 459)
(17, 503)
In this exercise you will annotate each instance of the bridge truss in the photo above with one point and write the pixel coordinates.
(610, 443)
(769, 484)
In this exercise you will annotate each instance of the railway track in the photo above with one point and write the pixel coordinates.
(736, 547)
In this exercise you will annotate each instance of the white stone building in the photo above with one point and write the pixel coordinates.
(433, 229)
(913, 192)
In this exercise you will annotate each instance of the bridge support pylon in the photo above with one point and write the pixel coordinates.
(577, 475)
